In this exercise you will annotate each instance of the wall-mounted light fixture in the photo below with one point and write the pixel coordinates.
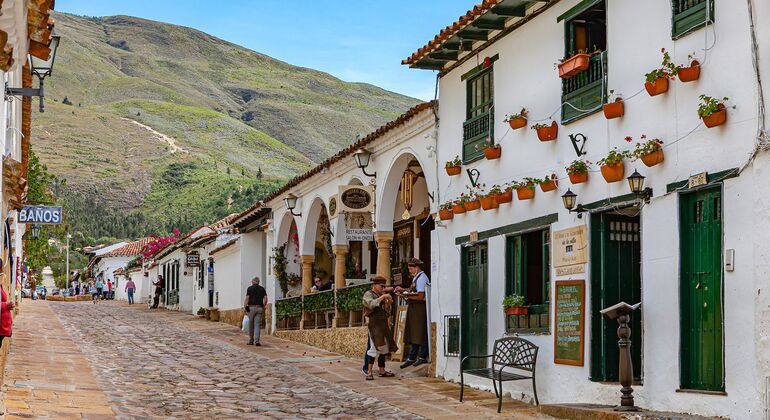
(569, 199)
(636, 184)
(35, 229)
(362, 157)
(291, 204)
(40, 68)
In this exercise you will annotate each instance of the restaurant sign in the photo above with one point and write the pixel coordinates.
(570, 251)
(45, 215)
(356, 198)
(359, 235)
(193, 259)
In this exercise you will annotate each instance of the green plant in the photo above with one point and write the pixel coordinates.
(293, 279)
(578, 167)
(279, 268)
(539, 125)
(446, 206)
(526, 183)
(454, 162)
(513, 301)
(201, 311)
(690, 59)
(521, 114)
(316, 302)
(613, 97)
(709, 105)
(667, 69)
(496, 189)
(645, 147)
(543, 180)
(351, 298)
(614, 157)
(288, 307)
(474, 193)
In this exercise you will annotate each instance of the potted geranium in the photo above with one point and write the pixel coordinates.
(489, 199)
(649, 151)
(514, 305)
(525, 190)
(517, 120)
(506, 194)
(614, 106)
(546, 132)
(454, 166)
(573, 64)
(474, 198)
(578, 171)
(458, 205)
(612, 165)
(656, 81)
(548, 183)
(690, 73)
(445, 211)
(712, 110)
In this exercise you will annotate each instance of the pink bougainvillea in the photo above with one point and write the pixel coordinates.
(153, 247)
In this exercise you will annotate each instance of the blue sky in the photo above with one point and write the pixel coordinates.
(357, 41)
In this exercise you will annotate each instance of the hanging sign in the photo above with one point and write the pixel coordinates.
(697, 180)
(193, 259)
(333, 207)
(569, 343)
(359, 234)
(41, 215)
(356, 198)
(570, 251)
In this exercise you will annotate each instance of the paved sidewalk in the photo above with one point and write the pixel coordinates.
(46, 374)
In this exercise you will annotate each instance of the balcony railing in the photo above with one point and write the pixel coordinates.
(319, 310)
(681, 6)
(476, 130)
(584, 93)
(690, 14)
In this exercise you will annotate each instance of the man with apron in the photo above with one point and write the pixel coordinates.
(416, 330)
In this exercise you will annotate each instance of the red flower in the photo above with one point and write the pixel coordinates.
(487, 62)
(629, 138)
(662, 50)
(643, 136)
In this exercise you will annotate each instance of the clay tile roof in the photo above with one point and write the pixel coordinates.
(219, 224)
(223, 247)
(348, 151)
(40, 27)
(201, 240)
(131, 249)
(119, 271)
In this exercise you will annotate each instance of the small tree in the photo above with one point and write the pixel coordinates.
(259, 173)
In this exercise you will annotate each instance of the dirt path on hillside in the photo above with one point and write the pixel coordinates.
(173, 148)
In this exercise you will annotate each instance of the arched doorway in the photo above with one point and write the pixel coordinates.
(286, 259)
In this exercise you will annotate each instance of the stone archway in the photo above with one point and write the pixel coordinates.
(316, 246)
(287, 246)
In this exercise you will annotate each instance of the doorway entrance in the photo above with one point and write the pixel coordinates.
(473, 313)
(615, 277)
(701, 290)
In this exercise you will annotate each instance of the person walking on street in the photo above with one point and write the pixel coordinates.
(254, 305)
(416, 329)
(92, 289)
(108, 293)
(365, 368)
(377, 306)
(130, 287)
(99, 287)
(159, 286)
(6, 319)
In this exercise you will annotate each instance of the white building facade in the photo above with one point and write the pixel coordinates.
(693, 255)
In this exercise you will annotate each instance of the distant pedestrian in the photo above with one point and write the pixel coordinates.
(159, 286)
(254, 305)
(94, 291)
(6, 319)
(99, 288)
(76, 284)
(377, 305)
(130, 287)
(108, 293)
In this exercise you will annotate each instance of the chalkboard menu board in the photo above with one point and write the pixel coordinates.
(569, 336)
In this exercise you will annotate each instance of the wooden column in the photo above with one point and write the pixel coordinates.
(307, 272)
(340, 252)
(383, 239)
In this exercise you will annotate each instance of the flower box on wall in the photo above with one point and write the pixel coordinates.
(652, 159)
(546, 132)
(690, 74)
(504, 197)
(574, 65)
(453, 170)
(517, 310)
(493, 152)
(446, 214)
(613, 109)
(660, 85)
(578, 178)
(613, 173)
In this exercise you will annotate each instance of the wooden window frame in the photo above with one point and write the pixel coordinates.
(475, 113)
(694, 18)
(539, 313)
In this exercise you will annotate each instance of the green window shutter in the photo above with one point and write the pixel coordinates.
(479, 123)
(690, 15)
(585, 93)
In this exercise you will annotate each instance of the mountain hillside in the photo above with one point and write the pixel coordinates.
(176, 124)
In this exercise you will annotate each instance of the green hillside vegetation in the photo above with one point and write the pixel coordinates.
(156, 126)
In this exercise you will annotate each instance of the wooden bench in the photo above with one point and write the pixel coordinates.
(509, 352)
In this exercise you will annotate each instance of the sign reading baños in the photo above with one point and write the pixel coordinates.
(48, 215)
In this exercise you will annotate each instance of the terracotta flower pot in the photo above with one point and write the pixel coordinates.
(446, 214)
(453, 170)
(505, 197)
(660, 85)
(517, 310)
(548, 133)
(525, 193)
(472, 205)
(716, 119)
(493, 152)
(458, 209)
(548, 186)
(516, 123)
(654, 158)
(689, 74)
(574, 65)
(488, 202)
(578, 178)
(613, 173)
(613, 110)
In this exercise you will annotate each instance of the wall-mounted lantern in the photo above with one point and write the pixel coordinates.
(636, 184)
(569, 199)
(362, 157)
(291, 204)
(40, 68)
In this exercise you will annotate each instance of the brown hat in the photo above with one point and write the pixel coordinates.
(379, 280)
(414, 262)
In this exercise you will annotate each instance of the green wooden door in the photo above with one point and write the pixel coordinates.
(615, 277)
(701, 290)
(474, 304)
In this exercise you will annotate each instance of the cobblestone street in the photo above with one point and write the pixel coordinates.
(152, 364)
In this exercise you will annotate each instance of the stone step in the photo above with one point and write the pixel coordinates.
(607, 412)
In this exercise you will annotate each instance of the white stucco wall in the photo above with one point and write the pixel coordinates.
(107, 265)
(524, 76)
(227, 278)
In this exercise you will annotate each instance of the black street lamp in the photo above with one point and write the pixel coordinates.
(569, 199)
(636, 184)
(35, 231)
(362, 157)
(291, 204)
(40, 68)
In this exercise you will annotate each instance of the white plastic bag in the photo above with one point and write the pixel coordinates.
(245, 323)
